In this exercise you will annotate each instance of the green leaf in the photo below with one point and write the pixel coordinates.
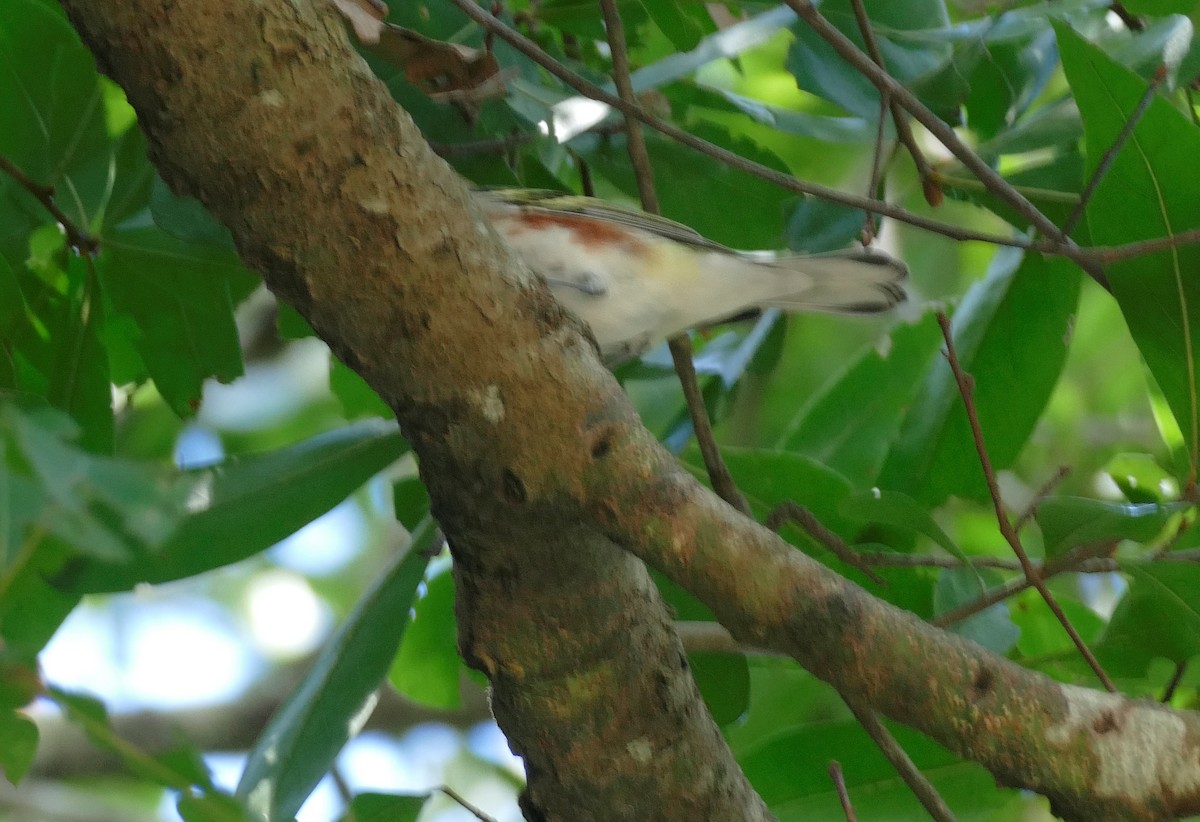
(992, 627)
(790, 773)
(186, 219)
(181, 296)
(898, 510)
(1149, 191)
(1159, 616)
(1141, 479)
(212, 807)
(79, 382)
(679, 27)
(1067, 522)
(724, 682)
(852, 422)
(819, 69)
(702, 189)
(54, 124)
(106, 508)
(768, 478)
(248, 504)
(300, 742)
(357, 398)
(385, 807)
(18, 744)
(427, 667)
(1011, 332)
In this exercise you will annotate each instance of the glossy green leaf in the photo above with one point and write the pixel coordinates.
(18, 744)
(248, 504)
(724, 682)
(897, 510)
(851, 423)
(702, 189)
(1141, 479)
(212, 807)
(1149, 191)
(1011, 332)
(790, 773)
(1067, 522)
(328, 708)
(357, 398)
(385, 807)
(819, 69)
(101, 507)
(54, 124)
(769, 478)
(427, 666)
(181, 296)
(79, 382)
(992, 627)
(1159, 617)
(673, 20)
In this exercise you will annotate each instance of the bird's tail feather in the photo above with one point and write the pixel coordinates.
(852, 282)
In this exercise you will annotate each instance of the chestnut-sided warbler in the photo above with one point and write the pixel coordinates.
(637, 279)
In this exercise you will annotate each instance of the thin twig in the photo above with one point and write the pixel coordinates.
(929, 184)
(1109, 156)
(78, 239)
(713, 637)
(1083, 256)
(839, 785)
(1075, 560)
(794, 512)
(849, 52)
(1047, 487)
(681, 346)
(921, 787)
(1173, 684)
(465, 805)
(735, 161)
(888, 559)
(718, 472)
(1032, 573)
(868, 231)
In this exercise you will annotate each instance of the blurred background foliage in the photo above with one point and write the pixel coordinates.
(207, 521)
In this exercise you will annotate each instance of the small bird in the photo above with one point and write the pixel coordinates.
(638, 279)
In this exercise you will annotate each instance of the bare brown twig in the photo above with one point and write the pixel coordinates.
(461, 801)
(929, 184)
(1043, 492)
(1110, 155)
(79, 240)
(839, 785)
(901, 96)
(1075, 560)
(681, 346)
(921, 787)
(1173, 684)
(1032, 572)
(794, 512)
(1083, 256)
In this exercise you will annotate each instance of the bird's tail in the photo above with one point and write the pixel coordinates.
(851, 282)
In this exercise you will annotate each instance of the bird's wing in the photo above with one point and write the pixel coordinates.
(553, 202)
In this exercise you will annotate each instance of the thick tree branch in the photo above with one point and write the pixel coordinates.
(268, 116)
(536, 463)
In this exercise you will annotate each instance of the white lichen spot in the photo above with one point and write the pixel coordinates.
(641, 750)
(271, 97)
(375, 204)
(1139, 746)
(490, 404)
